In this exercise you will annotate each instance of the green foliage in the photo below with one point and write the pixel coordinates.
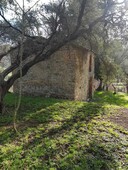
(109, 71)
(108, 65)
(60, 134)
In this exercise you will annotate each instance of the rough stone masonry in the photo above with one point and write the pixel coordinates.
(68, 74)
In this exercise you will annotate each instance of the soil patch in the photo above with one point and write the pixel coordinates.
(121, 118)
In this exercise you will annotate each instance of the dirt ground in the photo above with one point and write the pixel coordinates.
(121, 118)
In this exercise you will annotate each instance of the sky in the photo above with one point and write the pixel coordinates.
(33, 2)
(28, 5)
(10, 14)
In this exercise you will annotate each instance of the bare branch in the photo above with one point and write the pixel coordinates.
(15, 28)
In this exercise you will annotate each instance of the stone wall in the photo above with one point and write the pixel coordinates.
(65, 75)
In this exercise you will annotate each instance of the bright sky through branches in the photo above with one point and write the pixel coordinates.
(29, 5)
(33, 4)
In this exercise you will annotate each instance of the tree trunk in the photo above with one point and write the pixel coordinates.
(1, 101)
(2, 94)
(106, 87)
(1, 107)
(103, 87)
(127, 88)
(100, 87)
(114, 89)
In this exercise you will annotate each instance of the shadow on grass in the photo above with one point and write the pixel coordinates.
(37, 110)
(67, 155)
(29, 107)
(95, 156)
(83, 114)
(52, 137)
(66, 114)
(30, 114)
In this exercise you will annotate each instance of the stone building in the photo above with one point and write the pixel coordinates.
(68, 74)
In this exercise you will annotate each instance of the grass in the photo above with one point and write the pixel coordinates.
(119, 99)
(64, 135)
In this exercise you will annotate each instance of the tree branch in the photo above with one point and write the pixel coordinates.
(16, 29)
(80, 16)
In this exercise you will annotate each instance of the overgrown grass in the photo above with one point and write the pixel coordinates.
(64, 135)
